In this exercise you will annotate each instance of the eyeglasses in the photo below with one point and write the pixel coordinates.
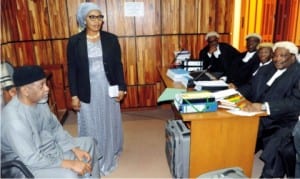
(94, 18)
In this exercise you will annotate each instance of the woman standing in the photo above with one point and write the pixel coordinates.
(94, 66)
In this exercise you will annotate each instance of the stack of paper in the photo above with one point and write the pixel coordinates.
(214, 85)
(224, 93)
(177, 74)
(181, 56)
(231, 102)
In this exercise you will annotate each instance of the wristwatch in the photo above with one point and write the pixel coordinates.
(263, 107)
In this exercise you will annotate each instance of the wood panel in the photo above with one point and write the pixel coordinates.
(118, 23)
(58, 86)
(39, 20)
(128, 49)
(147, 42)
(148, 58)
(169, 45)
(147, 95)
(60, 55)
(23, 24)
(206, 16)
(6, 33)
(292, 14)
(72, 19)
(170, 16)
(58, 19)
(131, 99)
(268, 20)
(16, 25)
(43, 52)
(193, 43)
(280, 28)
(297, 39)
(25, 54)
(228, 18)
(188, 13)
(8, 53)
(149, 24)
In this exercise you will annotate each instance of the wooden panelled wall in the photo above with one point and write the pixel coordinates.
(37, 31)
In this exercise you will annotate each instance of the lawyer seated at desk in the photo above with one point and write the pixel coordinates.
(275, 89)
(217, 56)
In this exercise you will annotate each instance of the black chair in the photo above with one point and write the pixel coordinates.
(15, 169)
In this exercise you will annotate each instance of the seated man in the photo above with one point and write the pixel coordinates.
(32, 134)
(7, 86)
(265, 54)
(296, 134)
(217, 55)
(246, 63)
(275, 89)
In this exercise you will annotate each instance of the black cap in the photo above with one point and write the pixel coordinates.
(27, 74)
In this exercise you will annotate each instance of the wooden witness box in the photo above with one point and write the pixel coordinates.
(218, 139)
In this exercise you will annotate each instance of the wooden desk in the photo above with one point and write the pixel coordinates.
(219, 139)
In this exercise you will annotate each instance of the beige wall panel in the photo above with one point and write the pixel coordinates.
(58, 19)
(170, 16)
(43, 52)
(150, 23)
(128, 49)
(188, 16)
(118, 23)
(39, 19)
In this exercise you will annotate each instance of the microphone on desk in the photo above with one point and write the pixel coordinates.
(191, 83)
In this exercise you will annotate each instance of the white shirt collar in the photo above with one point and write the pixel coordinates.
(248, 56)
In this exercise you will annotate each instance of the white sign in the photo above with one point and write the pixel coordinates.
(134, 9)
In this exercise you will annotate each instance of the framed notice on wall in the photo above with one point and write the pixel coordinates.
(134, 9)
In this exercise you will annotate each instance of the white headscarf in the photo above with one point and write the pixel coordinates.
(83, 11)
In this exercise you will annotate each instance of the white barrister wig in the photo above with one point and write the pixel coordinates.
(211, 34)
(255, 35)
(290, 46)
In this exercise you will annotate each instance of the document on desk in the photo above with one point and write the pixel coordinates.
(243, 113)
(169, 94)
(225, 93)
